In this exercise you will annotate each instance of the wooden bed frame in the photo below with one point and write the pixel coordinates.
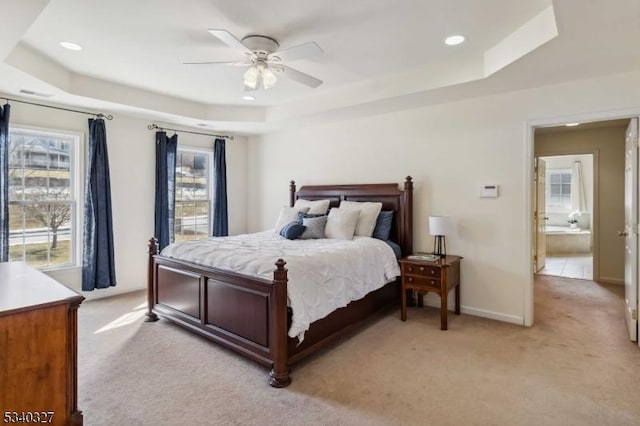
(250, 315)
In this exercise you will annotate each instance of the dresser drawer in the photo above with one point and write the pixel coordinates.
(420, 270)
(433, 283)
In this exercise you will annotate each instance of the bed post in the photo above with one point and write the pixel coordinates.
(279, 376)
(408, 216)
(153, 250)
(292, 193)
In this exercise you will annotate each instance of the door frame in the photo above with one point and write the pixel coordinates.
(529, 129)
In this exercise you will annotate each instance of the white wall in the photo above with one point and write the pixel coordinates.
(132, 166)
(450, 150)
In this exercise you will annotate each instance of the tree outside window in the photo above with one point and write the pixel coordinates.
(193, 194)
(42, 198)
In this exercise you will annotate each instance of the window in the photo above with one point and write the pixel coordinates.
(43, 197)
(558, 191)
(193, 194)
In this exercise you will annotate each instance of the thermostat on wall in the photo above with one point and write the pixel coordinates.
(489, 191)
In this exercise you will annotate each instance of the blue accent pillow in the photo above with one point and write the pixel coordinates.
(292, 231)
(303, 215)
(383, 225)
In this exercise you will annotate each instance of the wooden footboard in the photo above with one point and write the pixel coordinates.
(245, 314)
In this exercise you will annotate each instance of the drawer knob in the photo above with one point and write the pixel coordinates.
(410, 279)
(433, 282)
(432, 272)
(422, 268)
(410, 268)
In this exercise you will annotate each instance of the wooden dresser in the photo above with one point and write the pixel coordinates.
(38, 348)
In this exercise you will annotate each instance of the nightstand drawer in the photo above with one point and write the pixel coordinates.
(421, 270)
(422, 281)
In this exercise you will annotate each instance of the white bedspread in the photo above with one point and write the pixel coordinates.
(324, 275)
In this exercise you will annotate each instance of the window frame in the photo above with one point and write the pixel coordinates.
(76, 185)
(551, 207)
(209, 153)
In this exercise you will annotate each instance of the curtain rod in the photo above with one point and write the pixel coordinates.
(97, 114)
(156, 127)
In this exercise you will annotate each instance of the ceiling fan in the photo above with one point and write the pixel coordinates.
(265, 60)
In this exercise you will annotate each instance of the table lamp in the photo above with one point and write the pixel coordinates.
(439, 226)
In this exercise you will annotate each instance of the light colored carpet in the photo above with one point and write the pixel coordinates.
(574, 367)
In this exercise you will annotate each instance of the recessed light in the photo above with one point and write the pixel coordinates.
(71, 46)
(572, 124)
(249, 98)
(454, 40)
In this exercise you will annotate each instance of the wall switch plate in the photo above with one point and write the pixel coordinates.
(489, 191)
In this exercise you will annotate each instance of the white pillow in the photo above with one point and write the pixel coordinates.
(288, 215)
(368, 216)
(341, 224)
(315, 207)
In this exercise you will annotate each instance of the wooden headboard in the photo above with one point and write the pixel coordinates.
(391, 197)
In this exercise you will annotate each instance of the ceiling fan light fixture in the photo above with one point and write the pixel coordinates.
(251, 77)
(269, 78)
(264, 59)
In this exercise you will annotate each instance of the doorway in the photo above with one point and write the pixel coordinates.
(615, 226)
(600, 145)
(568, 216)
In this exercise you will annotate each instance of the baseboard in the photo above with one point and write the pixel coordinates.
(609, 280)
(468, 310)
(498, 316)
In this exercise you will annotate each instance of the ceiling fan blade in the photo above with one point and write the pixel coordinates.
(299, 76)
(302, 51)
(228, 39)
(232, 63)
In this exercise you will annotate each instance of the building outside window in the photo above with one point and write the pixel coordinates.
(43, 197)
(193, 194)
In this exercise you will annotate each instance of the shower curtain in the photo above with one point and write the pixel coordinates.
(577, 189)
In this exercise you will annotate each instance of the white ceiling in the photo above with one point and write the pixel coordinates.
(378, 54)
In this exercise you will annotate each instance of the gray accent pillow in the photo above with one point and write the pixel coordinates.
(315, 227)
(304, 215)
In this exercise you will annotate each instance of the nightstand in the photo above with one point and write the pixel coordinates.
(438, 276)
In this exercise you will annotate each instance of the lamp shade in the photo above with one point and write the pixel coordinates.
(440, 225)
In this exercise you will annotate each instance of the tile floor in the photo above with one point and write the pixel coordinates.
(570, 266)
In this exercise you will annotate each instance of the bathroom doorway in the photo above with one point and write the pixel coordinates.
(604, 202)
(568, 216)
